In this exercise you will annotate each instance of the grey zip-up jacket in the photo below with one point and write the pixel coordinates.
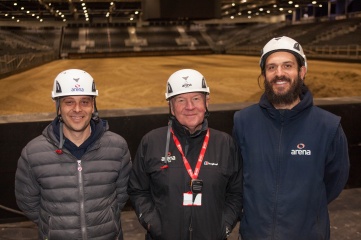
(72, 198)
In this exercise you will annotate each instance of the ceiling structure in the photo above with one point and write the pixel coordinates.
(70, 11)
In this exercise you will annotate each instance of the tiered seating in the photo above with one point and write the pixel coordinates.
(335, 39)
(120, 39)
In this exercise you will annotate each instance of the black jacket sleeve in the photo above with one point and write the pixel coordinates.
(234, 195)
(140, 194)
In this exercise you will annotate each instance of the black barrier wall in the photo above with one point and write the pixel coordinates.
(14, 136)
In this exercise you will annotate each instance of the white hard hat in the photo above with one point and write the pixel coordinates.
(185, 81)
(73, 82)
(283, 44)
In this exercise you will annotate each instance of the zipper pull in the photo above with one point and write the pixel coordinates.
(79, 165)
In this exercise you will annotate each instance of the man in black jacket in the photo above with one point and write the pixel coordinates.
(186, 181)
(72, 180)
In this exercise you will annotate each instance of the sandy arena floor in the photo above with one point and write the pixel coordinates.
(137, 82)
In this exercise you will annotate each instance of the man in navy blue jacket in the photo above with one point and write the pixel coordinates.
(295, 155)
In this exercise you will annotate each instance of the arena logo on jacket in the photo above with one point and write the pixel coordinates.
(169, 158)
(300, 150)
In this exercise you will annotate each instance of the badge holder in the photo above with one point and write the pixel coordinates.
(193, 197)
(196, 188)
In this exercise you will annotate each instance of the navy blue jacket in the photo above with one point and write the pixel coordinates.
(295, 162)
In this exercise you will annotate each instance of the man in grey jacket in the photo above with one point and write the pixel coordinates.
(72, 180)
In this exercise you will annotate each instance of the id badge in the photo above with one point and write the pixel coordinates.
(189, 200)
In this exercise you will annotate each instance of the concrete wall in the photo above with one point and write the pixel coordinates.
(16, 131)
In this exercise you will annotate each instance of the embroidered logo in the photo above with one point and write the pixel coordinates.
(210, 164)
(169, 158)
(300, 150)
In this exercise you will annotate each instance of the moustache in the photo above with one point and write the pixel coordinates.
(282, 78)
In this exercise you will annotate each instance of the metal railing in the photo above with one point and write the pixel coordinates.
(342, 52)
(351, 52)
(14, 63)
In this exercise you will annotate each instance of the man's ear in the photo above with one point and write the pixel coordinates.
(303, 71)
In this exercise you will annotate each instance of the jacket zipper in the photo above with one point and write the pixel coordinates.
(277, 185)
(81, 201)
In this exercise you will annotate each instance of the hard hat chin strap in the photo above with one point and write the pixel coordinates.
(167, 142)
(95, 116)
(61, 124)
(61, 140)
(57, 106)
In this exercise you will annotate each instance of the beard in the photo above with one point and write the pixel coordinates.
(284, 98)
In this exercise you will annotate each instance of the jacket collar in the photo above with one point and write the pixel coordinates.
(288, 114)
(98, 128)
(182, 131)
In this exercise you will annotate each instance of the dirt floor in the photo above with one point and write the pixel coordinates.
(137, 82)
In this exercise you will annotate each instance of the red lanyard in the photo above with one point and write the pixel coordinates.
(200, 158)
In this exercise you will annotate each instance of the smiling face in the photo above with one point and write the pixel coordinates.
(189, 109)
(76, 112)
(283, 79)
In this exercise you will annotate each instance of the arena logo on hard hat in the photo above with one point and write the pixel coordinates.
(77, 88)
(186, 84)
